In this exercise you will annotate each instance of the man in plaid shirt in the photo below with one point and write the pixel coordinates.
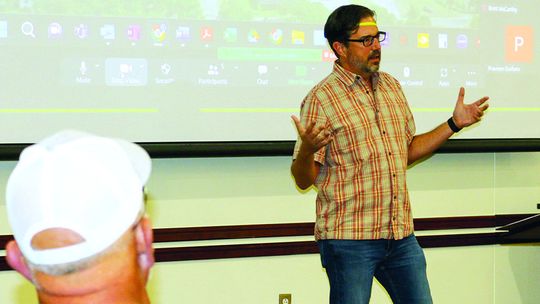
(356, 139)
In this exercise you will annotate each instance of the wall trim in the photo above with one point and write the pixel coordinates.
(179, 234)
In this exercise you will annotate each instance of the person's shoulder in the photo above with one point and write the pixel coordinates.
(326, 82)
(324, 85)
(388, 80)
(387, 77)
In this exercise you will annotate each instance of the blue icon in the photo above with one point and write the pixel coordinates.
(3, 29)
(108, 32)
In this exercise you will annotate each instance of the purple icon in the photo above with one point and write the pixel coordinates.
(55, 30)
(462, 41)
(81, 31)
(183, 33)
(134, 32)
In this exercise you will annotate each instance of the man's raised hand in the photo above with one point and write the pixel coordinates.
(313, 137)
(467, 114)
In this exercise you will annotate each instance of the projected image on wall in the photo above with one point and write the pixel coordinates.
(235, 70)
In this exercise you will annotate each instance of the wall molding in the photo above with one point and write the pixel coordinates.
(182, 234)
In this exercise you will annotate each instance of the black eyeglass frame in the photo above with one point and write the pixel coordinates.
(370, 39)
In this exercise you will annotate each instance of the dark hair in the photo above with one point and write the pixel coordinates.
(343, 22)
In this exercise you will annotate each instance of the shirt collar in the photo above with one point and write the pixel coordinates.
(350, 78)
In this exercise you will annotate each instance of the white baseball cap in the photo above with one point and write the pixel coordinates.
(89, 184)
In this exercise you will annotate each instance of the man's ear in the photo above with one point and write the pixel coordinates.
(16, 260)
(339, 48)
(144, 237)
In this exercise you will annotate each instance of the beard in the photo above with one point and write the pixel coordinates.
(366, 66)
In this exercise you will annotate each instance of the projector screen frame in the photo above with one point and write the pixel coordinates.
(285, 148)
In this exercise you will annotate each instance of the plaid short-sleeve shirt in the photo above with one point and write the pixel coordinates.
(362, 188)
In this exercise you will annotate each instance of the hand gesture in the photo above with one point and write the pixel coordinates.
(313, 137)
(467, 114)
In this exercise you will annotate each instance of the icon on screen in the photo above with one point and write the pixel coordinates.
(55, 30)
(207, 34)
(159, 32)
(183, 34)
(213, 70)
(444, 72)
(253, 36)
(328, 56)
(403, 39)
(298, 37)
(276, 36)
(3, 29)
(134, 32)
(318, 38)
(519, 44)
(406, 72)
(230, 34)
(126, 72)
(262, 69)
(83, 68)
(423, 40)
(443, 41)
(27, 28)
(462, 41)
(108, 32)
(81, 31)
(165, 68)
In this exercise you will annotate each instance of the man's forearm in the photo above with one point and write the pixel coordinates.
(425, 144)
(305, 170)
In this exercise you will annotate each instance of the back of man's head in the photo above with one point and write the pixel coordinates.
(75, 200)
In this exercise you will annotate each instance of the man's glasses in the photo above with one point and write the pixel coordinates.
(368, 40)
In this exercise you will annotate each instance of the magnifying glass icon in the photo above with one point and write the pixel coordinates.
(27, 28)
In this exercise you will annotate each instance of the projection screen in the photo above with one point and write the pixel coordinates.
(236, 70)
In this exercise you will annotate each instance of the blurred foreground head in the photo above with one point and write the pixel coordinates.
(75, 203)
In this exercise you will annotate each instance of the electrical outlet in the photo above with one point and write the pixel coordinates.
(285, 298)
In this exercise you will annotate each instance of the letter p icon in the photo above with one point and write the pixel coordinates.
(519, 44)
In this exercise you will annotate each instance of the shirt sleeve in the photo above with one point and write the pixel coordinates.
(410, 124)
(310, 110)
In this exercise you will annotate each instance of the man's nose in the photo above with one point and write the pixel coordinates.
(376, 45)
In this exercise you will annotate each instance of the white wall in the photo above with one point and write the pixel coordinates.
(259, 190)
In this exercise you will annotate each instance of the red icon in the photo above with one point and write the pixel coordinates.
(207, 34)
(328, 56)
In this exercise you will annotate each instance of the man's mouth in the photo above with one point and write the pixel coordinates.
(376, 55)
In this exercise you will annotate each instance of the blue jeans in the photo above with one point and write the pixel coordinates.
(399, 265)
